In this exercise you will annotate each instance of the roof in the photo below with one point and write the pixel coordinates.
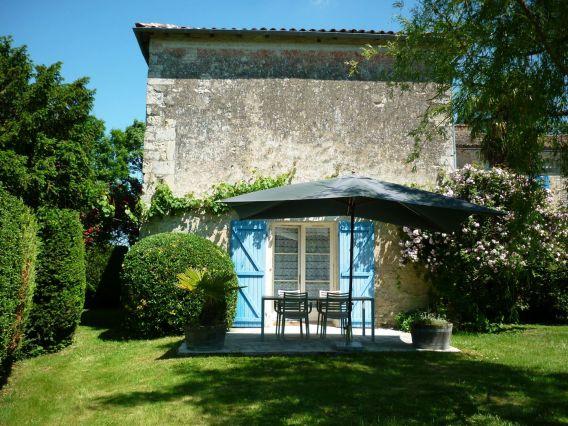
(143, 31)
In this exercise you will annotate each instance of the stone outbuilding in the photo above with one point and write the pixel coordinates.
(224, 104)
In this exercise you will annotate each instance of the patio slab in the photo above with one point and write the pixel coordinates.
(246, 341)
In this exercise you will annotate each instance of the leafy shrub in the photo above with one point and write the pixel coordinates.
(18, 251)
(428, 320)
(60, 291)
(154, 304)
(417, 318)
(213, 287)
(493, 268)
(403, 320)
(164, 202)
(103, 264)
(547, 297)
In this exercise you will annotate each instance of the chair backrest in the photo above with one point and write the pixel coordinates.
(337, 302)
(294, 302)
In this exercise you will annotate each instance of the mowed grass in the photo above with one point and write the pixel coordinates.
(518, 376)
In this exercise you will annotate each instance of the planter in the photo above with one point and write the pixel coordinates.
(202, 337)
(431, 337)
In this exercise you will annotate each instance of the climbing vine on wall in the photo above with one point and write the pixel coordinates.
(165, 203)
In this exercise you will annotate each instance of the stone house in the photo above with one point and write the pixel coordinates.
(222, 103)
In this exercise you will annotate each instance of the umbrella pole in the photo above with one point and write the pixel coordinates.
(349, 331)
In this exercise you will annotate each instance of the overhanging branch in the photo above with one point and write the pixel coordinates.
(540, 33)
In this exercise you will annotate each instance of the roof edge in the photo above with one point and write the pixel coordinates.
(143, 32)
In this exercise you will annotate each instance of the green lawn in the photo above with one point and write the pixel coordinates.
(519, 376)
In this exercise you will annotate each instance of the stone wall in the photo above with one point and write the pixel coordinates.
(216, 111)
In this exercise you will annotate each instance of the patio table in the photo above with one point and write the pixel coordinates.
(361, 299)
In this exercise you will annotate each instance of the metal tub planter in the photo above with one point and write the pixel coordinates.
(431, 333)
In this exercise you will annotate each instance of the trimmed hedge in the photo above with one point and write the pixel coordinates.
(104, 265)
(155, 306)
(60, 282)
(18, 251)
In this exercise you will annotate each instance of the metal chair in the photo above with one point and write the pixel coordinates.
(278, 307)
(335, 306)
(319, 307)
(295, 306)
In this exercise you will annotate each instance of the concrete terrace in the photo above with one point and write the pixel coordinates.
(246, 341)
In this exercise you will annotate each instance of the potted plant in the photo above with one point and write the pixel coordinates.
(208, 330)
(430, 331)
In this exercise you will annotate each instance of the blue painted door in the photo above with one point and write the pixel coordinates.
(363, 266)
(248, 252)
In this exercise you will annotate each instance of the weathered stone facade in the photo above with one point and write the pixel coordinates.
(221, 105)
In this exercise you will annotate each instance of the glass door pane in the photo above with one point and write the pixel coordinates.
(286, 258)
(318, 260)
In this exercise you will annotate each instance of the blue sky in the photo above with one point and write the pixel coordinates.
(95, 39)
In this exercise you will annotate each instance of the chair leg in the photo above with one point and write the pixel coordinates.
(307, 327)
(301, 329)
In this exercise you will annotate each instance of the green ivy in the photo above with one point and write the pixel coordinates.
(164, 202)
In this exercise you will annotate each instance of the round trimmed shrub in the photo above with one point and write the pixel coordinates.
(155, 306)
(18, 251)
(60, 282)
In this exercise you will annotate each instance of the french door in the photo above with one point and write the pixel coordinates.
(302, 258)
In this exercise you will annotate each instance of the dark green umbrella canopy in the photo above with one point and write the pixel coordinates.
(370, 199)
(362, 197)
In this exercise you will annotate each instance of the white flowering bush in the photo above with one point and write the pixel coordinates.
(494, 269)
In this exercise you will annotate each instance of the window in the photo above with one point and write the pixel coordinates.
(302, 258)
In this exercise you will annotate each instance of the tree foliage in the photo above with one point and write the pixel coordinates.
(115, 213)
(54, 153)
(507, 63)
(46, 133)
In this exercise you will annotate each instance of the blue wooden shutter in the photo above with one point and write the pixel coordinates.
(363, 266)
(248, 252)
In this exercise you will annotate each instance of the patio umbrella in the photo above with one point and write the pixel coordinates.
(362, 197)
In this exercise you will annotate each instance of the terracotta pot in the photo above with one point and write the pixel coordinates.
(202, 337)
(431, 337)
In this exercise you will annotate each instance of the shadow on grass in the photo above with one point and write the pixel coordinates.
(415, 388)
(111, 321)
